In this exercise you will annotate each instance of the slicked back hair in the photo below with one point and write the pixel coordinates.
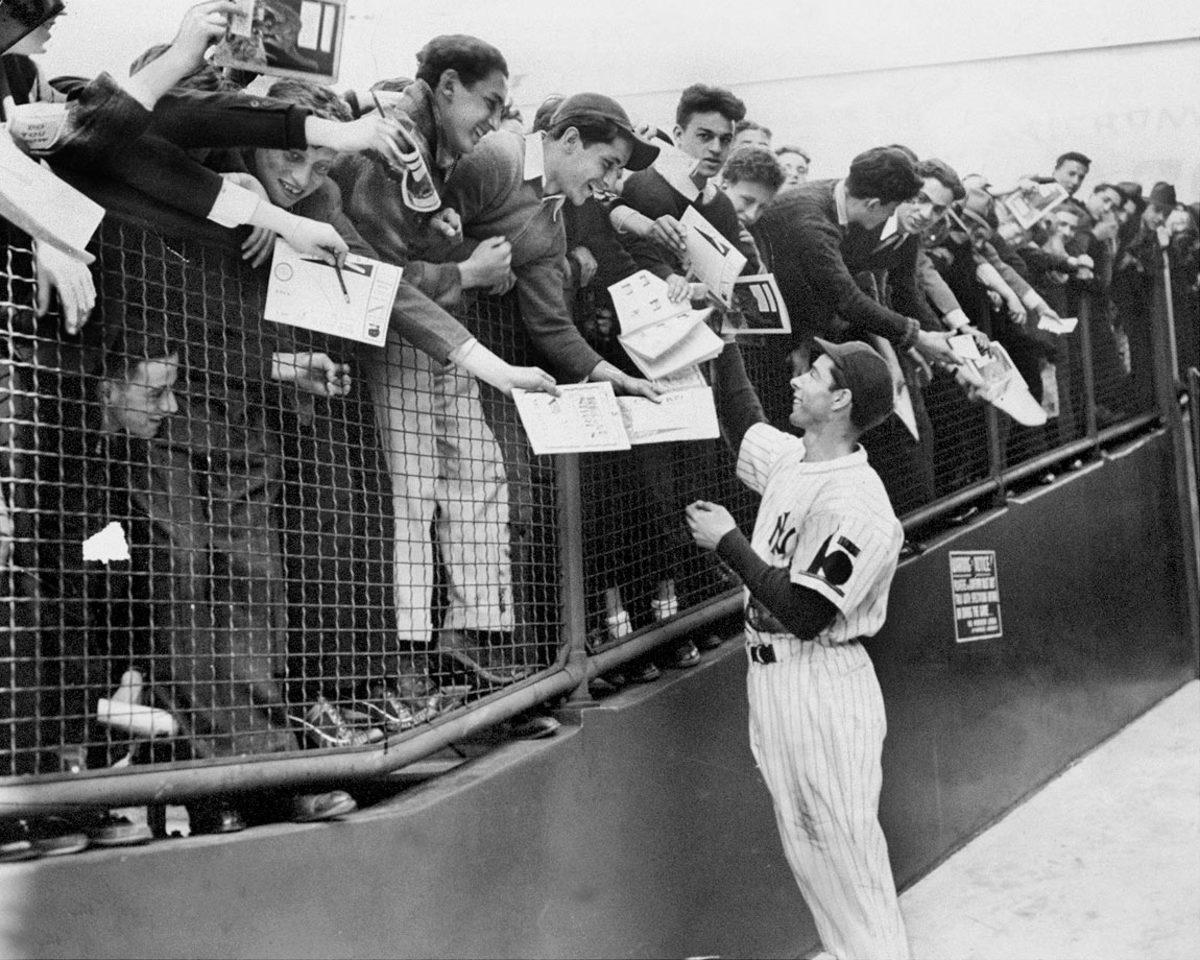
(944, 174)
(1073, 155)
(742, 125)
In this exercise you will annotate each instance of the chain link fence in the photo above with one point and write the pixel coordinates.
(209, 563)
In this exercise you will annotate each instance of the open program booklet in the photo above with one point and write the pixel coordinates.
(589, 418)
(661, 337)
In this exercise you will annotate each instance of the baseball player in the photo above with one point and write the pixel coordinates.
(817, 573)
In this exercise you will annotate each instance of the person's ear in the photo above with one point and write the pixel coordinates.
(570, 140)
(677, 133)
(447, 82)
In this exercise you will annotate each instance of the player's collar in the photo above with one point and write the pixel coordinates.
(856, 457)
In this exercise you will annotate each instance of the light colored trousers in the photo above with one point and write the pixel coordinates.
(816, 731)
(446, 469)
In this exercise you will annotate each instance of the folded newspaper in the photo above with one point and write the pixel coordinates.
(995, 378)
(661, 337)
(1029, 206)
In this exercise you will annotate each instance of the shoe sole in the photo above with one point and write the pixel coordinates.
(61, 847)
(132, 840)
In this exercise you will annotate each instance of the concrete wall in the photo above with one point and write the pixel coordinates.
(646, 832)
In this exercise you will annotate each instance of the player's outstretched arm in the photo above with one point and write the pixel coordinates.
(797, 610)
(738, 406)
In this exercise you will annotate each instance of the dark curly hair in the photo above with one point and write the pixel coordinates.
(471, 58)
(753, 165)
(699, 98)
(322, 101)
(885, 173)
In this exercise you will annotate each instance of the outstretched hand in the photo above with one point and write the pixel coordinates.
(314, 373)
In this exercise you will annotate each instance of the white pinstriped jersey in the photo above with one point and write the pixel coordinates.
(829, 522)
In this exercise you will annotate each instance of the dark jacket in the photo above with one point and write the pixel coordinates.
(815, 260)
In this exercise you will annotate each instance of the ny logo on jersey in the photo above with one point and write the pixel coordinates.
(835, 566)
(782, 537)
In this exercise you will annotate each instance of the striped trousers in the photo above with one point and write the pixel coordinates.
(816, 730)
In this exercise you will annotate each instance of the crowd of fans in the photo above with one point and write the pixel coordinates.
(118, 411)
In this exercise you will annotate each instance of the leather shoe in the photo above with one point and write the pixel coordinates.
(533, 726)
(311, 807)
(709, 641)
(682, 656)
(214, 818)
(641, 671)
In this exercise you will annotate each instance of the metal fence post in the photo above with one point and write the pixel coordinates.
(1162, 329)
(995, 454)
(571, 590)
(1089, 369)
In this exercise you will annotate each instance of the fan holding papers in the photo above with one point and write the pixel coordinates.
(352, 301)
(661, 337)
(712, 259)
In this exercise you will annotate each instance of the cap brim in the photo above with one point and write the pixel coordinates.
(833, 349)
(644, 152)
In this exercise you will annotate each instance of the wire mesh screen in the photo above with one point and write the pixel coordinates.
(213, 557)
(640, 564)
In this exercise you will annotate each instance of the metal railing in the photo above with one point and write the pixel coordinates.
(288, 552)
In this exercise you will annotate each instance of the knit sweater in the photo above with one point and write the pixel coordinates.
(648, 192)
(491, 194)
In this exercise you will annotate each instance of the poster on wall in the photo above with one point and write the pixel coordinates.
(975, 593)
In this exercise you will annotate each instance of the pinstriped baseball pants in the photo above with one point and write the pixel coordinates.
(816, 731)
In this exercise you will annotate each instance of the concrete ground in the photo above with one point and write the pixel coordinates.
(1103, 862)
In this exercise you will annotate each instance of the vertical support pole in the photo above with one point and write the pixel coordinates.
(1193, 385)
(571, 591)
(995, 454)
(1089, 367)
(1167, 391)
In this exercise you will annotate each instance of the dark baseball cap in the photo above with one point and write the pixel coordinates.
(865, 374)
(22, 17)
(584, 107)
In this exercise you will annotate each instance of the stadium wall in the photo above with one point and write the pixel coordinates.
(645, 831)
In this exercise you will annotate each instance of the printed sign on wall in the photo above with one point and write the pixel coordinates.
(975, 589)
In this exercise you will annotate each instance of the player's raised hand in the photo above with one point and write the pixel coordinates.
(708, 522)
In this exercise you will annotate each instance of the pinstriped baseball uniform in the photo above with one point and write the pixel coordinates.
(816, 714)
